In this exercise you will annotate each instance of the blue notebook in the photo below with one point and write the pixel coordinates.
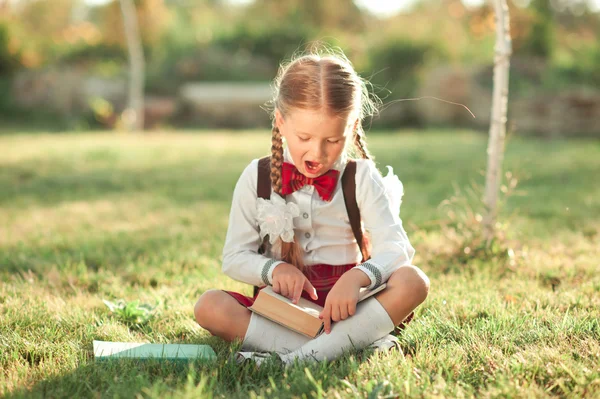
(133, 350)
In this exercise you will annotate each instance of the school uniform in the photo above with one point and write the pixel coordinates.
(323, 231)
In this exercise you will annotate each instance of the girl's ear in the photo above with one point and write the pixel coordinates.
(278, 119)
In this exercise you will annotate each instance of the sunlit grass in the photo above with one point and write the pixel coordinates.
(87, 217)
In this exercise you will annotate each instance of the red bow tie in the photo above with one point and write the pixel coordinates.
(293, 180)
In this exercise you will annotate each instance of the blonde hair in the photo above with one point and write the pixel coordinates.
(323, 79)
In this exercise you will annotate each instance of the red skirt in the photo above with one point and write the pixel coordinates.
(322, 277)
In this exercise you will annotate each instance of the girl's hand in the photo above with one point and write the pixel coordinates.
(343, 297)
(289, 281)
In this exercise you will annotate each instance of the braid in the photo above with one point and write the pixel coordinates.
(290, 251)
(276, 159)
(361, 145)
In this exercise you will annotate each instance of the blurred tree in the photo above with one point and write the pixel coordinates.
(38, 28)
(574, 7)
(10, 59)
(446, 25)
(495, 150)
(273, 44)
(134, 114)
(46, 18)
(396, 63)
(324, 16)
(153, 16)
(539, 41)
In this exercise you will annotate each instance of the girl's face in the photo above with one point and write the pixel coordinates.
(315, 139)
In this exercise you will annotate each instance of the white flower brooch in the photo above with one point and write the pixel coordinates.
(276, 218)
(394, 190)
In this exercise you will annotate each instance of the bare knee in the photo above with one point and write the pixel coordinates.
(412, 283)
(220, 314)
(206, 309)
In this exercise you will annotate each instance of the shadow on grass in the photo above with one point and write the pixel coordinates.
(222, 377)
(119, 378)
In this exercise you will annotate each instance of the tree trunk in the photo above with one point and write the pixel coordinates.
(495, 151)
(133, 116)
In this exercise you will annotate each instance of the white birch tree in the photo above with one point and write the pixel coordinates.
(133, 116)
(495, 150)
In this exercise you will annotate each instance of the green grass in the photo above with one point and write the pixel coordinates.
(87, 217)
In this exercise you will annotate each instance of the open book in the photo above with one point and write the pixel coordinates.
(302, 317)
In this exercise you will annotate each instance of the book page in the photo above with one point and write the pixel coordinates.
(305, 305)
(366, 293)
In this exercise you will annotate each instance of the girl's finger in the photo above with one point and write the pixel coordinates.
(308, 287)
(284, 289)
(343, 312)
(351, 309)
(335, 313)
(276, 287)
(297, 292)
(327, 319)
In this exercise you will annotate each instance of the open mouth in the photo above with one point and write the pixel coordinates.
(312, 167)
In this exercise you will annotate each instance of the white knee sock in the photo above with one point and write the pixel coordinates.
(370, 323)
(263, 335)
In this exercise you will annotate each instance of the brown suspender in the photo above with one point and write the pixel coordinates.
(263, 183)
(263, 190)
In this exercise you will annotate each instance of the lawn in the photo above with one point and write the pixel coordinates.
(88, 217)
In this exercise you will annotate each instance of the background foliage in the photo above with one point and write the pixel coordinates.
(554, 42)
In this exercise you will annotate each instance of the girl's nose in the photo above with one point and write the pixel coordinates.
(319, 151)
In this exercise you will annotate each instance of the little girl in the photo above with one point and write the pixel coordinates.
(312, 250)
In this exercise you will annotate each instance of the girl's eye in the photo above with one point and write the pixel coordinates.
(333, 141)
(303, 138)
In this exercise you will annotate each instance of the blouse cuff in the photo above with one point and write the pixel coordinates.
(373, 270)
(267, 271)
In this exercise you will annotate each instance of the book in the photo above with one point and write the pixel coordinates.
(302, 317)
(104, 350)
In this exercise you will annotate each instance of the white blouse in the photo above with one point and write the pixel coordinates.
(322, 229)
